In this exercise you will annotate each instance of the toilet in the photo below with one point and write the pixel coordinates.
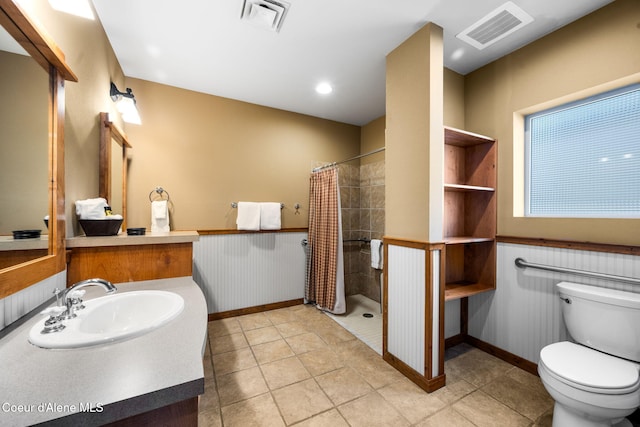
(595, 380)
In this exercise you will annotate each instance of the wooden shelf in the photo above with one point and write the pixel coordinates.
(462, 240)
(462, 138)
(461, 187)
(457, 290)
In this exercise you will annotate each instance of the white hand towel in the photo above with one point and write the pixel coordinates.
(376, 254)
(270, 216)
(91, 208)
(160, 216)
(248, 216)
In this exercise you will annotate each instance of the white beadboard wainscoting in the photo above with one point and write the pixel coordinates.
(523, 314)
(246, 270)
(405, 305)
(17, 305)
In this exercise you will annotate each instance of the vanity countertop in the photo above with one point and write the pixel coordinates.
(115, 380)
(123, 239)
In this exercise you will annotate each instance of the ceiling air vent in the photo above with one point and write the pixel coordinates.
(495, 26)
(266, 14)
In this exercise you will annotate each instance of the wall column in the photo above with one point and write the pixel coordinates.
(414, 208)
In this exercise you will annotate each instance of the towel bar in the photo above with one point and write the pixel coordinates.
(234, 205)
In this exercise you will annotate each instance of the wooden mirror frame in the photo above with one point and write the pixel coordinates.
(46, 53)
(108, 132)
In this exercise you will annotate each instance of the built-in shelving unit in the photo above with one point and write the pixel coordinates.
(469, 213)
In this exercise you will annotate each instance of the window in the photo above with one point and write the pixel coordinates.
(583, 158)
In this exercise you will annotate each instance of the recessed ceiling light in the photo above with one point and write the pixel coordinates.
(324, 88)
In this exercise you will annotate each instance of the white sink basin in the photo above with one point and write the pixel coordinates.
(112, 318)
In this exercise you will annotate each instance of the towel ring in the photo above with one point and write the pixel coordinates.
(160, 191)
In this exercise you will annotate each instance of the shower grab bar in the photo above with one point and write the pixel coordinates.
(521, 263)
(305, 242)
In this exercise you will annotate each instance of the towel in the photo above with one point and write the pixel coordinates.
(376, 254)
(160, 217)
(248, 216)
(91, 208)
(270, 216)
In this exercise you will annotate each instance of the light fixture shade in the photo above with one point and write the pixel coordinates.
(80, 8)
(128, 110)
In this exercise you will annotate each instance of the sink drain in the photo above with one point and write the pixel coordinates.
(367, 315)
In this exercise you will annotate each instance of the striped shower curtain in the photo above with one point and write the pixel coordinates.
(325, 263)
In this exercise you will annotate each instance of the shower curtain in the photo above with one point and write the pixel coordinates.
(325, 262)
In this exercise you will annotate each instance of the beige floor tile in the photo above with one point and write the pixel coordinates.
(225, 343)
(343, 385)
(290, 329)
(485, 411)
(446, 418)
(528, 401)
(284, 372)
(254, 321)
(306, 342)
(222, 327)
(259, 411)
(330, 418)
(371, 410)
(283, 315)
(241, 385)
(300, 401)
(376, 371)
(477, 367)
(411, 401)
(262, 335)
(545, 420)
(209, 418)
(320, 362)
(454, 391)
(272, 351)
(209, 401)
(232, 361)
(334, 334)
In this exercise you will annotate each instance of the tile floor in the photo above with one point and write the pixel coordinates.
(366, 329)
(296, 366)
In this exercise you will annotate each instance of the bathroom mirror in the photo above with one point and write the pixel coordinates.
(18, 272)
(113, 166)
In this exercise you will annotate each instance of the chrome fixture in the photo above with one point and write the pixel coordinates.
(126, 104)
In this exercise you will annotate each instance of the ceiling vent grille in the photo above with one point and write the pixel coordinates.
(495, 26)
(266, 14)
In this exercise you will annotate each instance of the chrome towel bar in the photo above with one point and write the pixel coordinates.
(521, 263)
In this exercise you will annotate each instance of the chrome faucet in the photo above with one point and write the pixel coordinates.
(71, 298)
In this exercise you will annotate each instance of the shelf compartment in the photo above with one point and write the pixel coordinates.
(470, 264)
(457, 290)
(462, 240)
(462, 138)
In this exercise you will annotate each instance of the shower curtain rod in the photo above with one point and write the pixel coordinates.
(348, 160)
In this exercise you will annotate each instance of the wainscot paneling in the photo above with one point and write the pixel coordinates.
(523, 314)
(244, 270)
(17, 305)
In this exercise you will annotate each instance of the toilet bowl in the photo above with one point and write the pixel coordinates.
(590, 388)
(594, 381)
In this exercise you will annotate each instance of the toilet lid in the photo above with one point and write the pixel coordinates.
(590, 368)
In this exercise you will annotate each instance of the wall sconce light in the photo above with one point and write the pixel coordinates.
(126, 104)
(80, 8)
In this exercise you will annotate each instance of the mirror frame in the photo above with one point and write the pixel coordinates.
(109, 131)
(46, 53)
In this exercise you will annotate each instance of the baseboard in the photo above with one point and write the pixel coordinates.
(254, 309)
(511, 358)
(427, 384)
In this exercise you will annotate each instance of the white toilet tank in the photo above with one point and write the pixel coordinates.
(604, 319)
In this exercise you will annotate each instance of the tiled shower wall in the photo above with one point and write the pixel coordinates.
(362, 200)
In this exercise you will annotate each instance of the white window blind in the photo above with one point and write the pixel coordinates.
(583, 158)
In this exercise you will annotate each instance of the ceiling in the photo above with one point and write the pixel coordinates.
(204, 46)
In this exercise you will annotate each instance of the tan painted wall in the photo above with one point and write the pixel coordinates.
(414, 153)
(596, 53)
(208, 151)
(372, 138)
(453, 99)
